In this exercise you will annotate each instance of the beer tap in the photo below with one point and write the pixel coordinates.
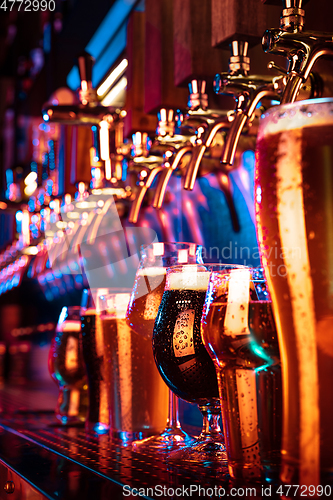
(247, 90)
(301, 48)
(164, 145)
(197, 120)
(89, 111)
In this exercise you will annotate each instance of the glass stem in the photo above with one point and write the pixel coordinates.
(173, 412)
(210, 424)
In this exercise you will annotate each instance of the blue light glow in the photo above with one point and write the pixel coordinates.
(107, 44)
(19, 216)
(63, 315)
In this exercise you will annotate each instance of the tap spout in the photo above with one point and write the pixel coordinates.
(136, 205)
(246, 106)
(199, 151)
(166, 175)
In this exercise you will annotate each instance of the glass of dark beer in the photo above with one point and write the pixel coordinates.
(94, 358)
(141, 314)
(184, 363)
(294, 207)
(238, 330)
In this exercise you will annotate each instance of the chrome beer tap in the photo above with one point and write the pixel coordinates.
(198, 119)
(89, 111)
(301, 48)
(247, 90)
(165, 144)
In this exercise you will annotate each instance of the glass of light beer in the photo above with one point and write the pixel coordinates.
(137, 396)
(294, 212)
(141, 314)
(238, 330)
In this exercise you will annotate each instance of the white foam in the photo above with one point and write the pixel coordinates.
(152, 271)
(296, 115)
(188, 280)
(69, 326)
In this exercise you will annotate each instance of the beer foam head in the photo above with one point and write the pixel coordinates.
(69, 326)
(296, 115)
(188, 278)
(152, 271)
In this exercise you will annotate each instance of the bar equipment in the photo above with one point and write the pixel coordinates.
(137, 395)
(293, 207)
(184, 363)
(247, 90)
(238, 330)
(302, 49)
(142, 310)
(67, 368)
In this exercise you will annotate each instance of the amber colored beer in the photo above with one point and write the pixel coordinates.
(67, 368)
(145, 300)
(294, 207)
(137, 394)
(239, 333)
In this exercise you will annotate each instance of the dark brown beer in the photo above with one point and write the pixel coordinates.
(93, 354)
(294, 206)
(180, 355)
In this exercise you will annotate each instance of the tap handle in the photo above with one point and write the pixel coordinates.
(85, 64)
(239, 62)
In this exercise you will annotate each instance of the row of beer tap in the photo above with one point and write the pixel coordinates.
(196, 140)
(184, 140)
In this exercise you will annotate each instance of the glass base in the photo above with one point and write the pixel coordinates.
(97, 427)
(172, 438)
(206, 450)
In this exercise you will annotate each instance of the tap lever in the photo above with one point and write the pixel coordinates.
(239, 62)
(88, 95)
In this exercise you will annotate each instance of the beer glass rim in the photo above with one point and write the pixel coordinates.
(295, 115)
(180, 244)
(207, 267)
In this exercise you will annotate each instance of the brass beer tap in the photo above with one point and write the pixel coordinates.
(198, 119)
(89, 111)
(247, 90)
(301, 48)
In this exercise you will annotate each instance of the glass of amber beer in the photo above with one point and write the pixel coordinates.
(184, 363)
(294, 212)
(137, 396)
(238, 331)
(142, 311)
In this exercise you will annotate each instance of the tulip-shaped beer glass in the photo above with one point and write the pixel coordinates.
(238, 330)
(184, 363)
(67, 367)
(142, 311)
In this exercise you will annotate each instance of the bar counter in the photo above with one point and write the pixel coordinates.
(47, 460)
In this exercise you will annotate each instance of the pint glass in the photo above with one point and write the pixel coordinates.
(294, 211)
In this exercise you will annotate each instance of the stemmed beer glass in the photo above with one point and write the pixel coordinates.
(184, 363)
(239, 332)
(142, 311)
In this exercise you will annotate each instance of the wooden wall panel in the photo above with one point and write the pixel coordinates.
(193, 52)
(136, 119)
(160, 88)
